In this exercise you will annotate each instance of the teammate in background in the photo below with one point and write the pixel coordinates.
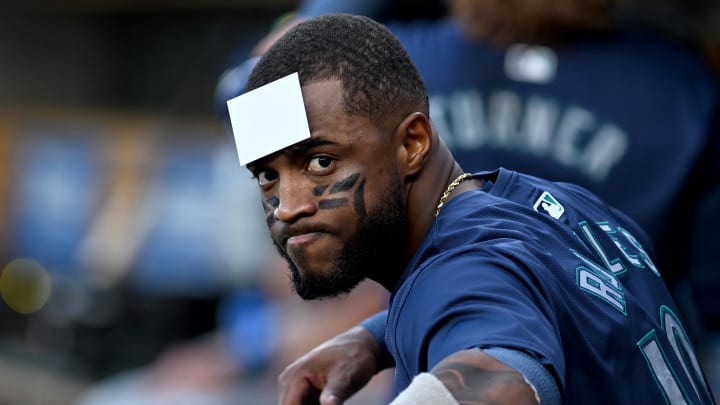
(493, 299)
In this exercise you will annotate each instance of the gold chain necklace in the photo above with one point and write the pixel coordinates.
(459, 179)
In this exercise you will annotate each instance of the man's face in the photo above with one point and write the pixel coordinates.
(335, 204)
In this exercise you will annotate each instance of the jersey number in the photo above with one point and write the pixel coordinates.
(666, 376)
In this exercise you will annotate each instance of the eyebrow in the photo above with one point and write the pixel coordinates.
(306, 145)
(293, 150)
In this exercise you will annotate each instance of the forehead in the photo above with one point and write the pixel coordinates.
(268, 119)
(331, 125)
(281, 114)
(324, 104)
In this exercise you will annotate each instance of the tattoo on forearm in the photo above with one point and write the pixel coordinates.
(473, 385)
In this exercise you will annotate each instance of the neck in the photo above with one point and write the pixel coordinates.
(425, 192)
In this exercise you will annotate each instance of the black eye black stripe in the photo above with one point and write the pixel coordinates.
(343, 185)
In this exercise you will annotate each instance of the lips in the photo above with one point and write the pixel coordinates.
(311, 251)
(298, 235)
(302, 239)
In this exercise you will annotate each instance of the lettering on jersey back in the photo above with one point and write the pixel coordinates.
(599, 275)
(569, 135)
(667, 349)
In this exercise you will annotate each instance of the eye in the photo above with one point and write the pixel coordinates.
(265, 177)
(320, 164)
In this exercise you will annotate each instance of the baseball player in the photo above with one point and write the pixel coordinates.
(505, 287)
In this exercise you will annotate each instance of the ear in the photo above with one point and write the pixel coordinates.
(416, 135)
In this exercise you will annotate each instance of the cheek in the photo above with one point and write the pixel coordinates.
(346, 209)
(379, 181)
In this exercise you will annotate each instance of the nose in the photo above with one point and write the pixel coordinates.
(296, 200)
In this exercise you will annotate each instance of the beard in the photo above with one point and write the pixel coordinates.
(376, 251)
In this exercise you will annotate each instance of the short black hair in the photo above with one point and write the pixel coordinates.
(378, 77)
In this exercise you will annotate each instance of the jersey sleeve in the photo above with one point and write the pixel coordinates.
(496, 301)
(376, 325)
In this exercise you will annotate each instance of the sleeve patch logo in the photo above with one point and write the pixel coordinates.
(549, 205)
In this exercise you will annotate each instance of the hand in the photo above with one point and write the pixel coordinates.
(332, 372)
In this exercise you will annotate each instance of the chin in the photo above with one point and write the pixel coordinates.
(314, 286)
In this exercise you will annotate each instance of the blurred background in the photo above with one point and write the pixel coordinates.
(127, 221)
(128, 226)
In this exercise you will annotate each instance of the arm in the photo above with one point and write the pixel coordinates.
(476, 377)
(338, 368)
(499, 345)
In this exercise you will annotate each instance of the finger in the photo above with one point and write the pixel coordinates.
(298, 391)
(336, 391)
(327, 398)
